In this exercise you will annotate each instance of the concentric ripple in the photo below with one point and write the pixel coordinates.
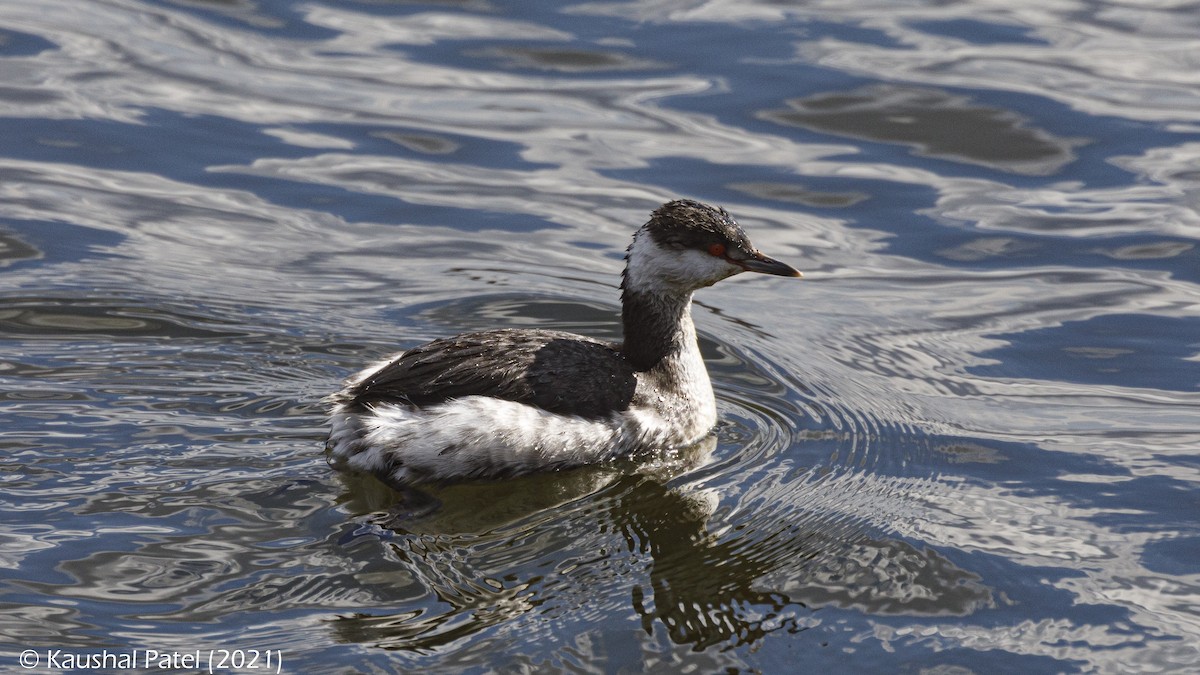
(789, 506)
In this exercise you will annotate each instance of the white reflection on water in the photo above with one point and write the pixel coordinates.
(1137, 62)
(1049, 535)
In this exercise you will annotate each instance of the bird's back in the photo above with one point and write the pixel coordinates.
(556, 371)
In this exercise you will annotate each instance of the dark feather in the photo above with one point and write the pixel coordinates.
(556, 371)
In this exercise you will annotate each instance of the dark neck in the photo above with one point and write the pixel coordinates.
(656, 327)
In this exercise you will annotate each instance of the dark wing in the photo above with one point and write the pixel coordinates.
(558, 372)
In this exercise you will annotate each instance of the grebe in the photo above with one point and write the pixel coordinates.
(513, 401)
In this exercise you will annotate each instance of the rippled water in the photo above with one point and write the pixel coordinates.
(968, 441)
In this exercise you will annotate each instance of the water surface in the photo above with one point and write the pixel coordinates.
(968, 441)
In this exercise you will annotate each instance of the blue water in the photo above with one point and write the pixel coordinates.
(967, 441)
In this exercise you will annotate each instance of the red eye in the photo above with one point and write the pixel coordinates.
(716, 250)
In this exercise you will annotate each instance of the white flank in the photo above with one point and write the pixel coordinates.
(482, 436)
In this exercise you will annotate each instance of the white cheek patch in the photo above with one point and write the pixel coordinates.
(653, 268)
